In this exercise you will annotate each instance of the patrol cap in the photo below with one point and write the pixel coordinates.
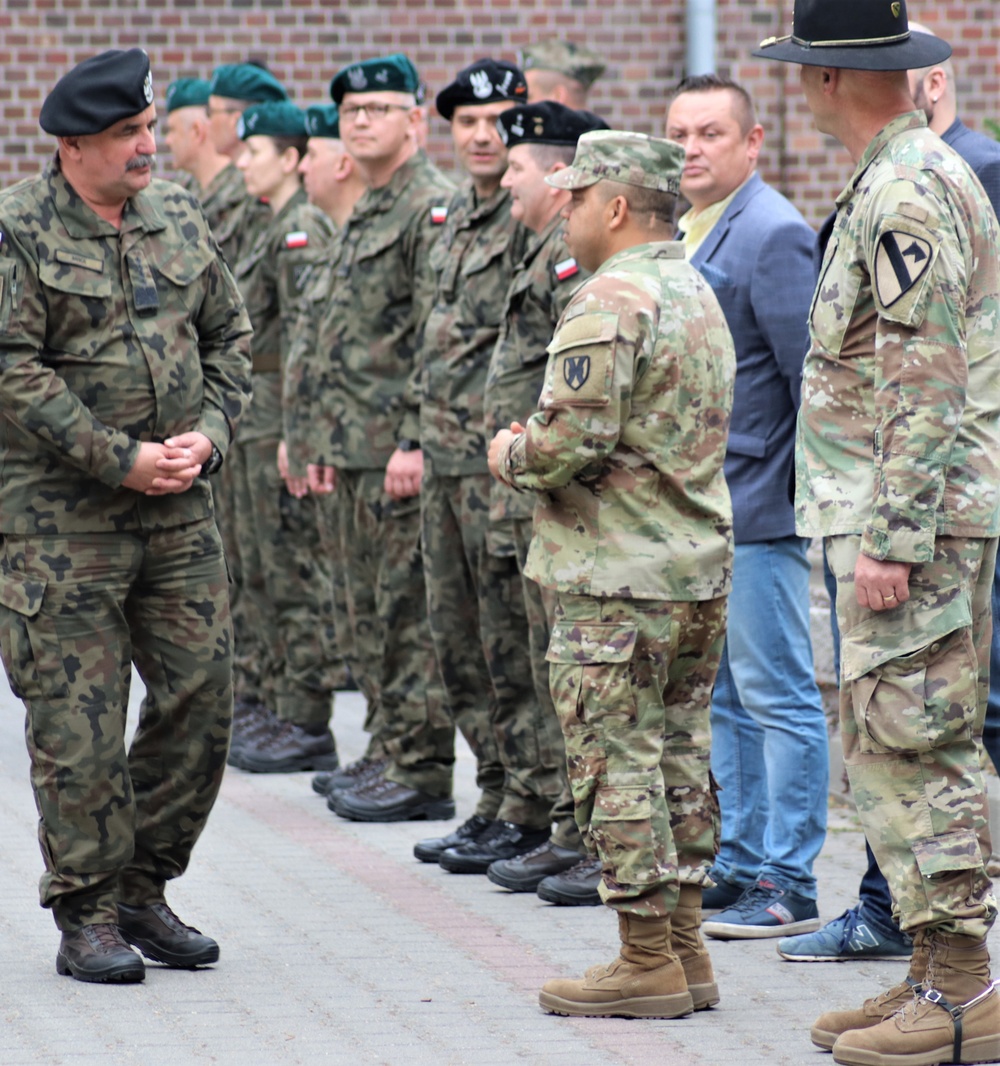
(323, 120)
(394, 73)
(245, 81)
(564, 57)
(279, 119)
(188, 92)
(854, 35)
(547, 122)
(484, 82)
(631, 158)
(97, 93)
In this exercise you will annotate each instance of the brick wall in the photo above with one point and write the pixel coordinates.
(305, 41)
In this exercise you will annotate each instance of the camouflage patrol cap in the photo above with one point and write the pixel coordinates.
(97, 93)
(631, 158)
(547, 122)
(487, 81)
(564, 57)
(323, 121)
(276, 119)
(394, 73)
(188, 92)
(246, 81)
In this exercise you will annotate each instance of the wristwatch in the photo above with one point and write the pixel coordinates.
(408, 445)
(212, 463)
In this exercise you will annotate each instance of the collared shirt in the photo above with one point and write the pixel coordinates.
(695, 225)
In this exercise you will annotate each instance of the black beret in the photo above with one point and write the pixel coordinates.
(547, 123)
(97, 93)
(484, 82)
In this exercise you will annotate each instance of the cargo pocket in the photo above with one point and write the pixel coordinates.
(30, 656)
(621, 827)
(952, 868)
(913, 674)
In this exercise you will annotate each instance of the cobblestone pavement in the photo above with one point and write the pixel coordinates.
(338, 947)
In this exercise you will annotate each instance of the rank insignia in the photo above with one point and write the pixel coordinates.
(900, 261)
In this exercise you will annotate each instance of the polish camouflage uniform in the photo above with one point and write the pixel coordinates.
(487, 676)
(110, 337)
(899, 458)
(287, 585)
(633, 531)
(356, 385)
(543, 282)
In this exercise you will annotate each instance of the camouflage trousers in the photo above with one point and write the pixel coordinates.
(913, 691)
(632, 685)
(387, 603)
(76, 611)
(287, 580)
(454, 515)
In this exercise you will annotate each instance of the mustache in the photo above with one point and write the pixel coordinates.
(140, 161)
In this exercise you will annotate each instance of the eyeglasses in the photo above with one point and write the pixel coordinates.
(372, 111)
(210, 111)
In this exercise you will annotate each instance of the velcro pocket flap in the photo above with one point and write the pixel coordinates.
(591, 643)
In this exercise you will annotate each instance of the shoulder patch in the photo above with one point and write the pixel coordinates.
(901, 260)
(566, 269)
(297, 239)
(439, 215)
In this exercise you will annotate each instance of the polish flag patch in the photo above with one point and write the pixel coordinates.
(439, 215)
(298, 239)
(566, 269)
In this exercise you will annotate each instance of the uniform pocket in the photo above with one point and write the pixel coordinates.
(31, 655)
(913, 673)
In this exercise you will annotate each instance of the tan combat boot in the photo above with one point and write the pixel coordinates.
(685, 939)
(645, 981)
(955, 1018)
(830, 1025)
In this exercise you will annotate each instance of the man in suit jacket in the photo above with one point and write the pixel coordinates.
(769, 737)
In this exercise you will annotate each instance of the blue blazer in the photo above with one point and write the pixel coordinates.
(981, 153)
(759, 260)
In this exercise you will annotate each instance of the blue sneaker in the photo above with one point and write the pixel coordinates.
(724, 895)
(765, 909)
(846, 937)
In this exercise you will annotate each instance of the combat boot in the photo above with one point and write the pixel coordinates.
(954, 1018)
(645, 981)
(828, 1027)
(685, 939)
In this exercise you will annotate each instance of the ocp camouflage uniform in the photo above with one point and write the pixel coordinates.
(486, 674)
(899, 457)
(110, 337)
(287, 583)
(633, 531)
(533, 750)
(350, 414)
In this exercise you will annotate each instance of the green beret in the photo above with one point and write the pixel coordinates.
(546, 123)
(97, 93)
(393, 73)
(484, 82)
(244, 81)
(631, 158)
(323, 121)
(272, 120)
(187, 92)
(564, 57)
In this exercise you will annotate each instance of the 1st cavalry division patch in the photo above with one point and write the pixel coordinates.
(900, 262)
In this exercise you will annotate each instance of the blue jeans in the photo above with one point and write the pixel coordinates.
(770, 751)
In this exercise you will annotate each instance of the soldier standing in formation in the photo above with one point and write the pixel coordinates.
(633, 532)
(124, 368)
(898, 464)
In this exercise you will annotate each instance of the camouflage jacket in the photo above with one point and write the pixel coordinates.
(627, 449)
(359, 358)
(272, 275)
(899, 430)
(235, 217)
(472, 263)
(543, 281)
(108, 338)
